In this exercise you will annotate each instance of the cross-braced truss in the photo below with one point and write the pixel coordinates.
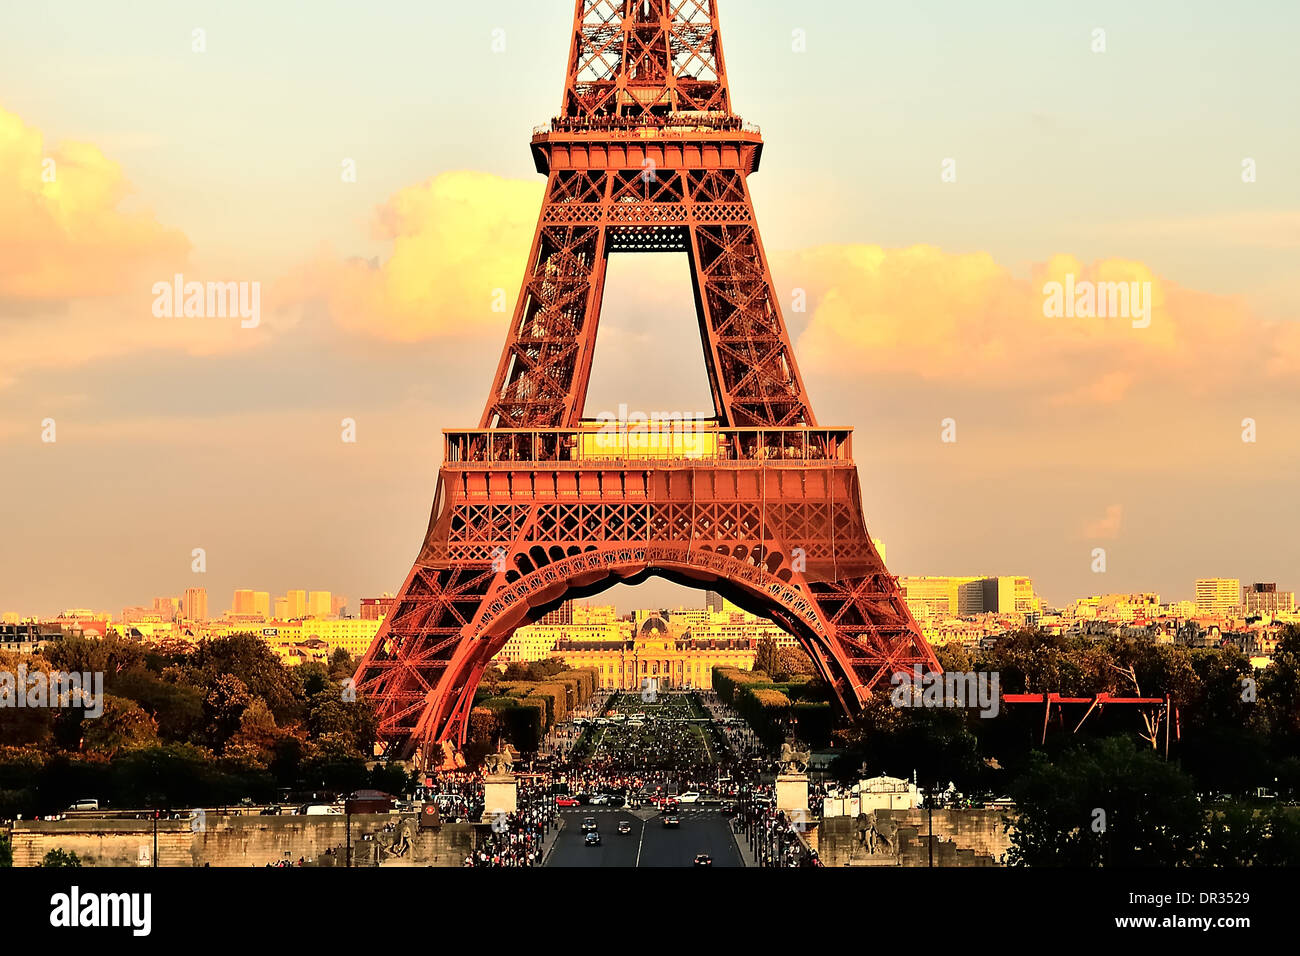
(646, 156)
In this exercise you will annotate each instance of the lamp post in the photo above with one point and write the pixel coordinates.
(929, 814)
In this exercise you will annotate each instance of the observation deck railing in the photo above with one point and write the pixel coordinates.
(676, 124)
(622, 444)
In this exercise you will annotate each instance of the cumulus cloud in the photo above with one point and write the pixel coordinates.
(63, 231)
(459, 244)
(965, 319)
(78, 263)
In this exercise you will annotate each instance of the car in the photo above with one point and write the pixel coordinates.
(690, 796)
(592, 838)
(272, 811)
(589, 824)
(566, 801)
(703, 859)
(672, 820)
(624, 827)
(599, 799)
(86, 803)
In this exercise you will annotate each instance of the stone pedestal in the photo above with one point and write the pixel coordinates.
(500, 794)
(792, 792)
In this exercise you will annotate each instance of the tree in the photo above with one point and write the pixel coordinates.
(224, 708)
(255, 741)
(59, 857)
(1104, 803)
(109, 655)
(934, 741)
(768, 660)
(795, 661)
(175, 705)
(248, 658)
(1279, 690)
(333, 763)
(328, 714)
(342, 664)
(124, 723)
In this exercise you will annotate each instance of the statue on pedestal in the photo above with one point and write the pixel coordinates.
(792, 759)
(499, 763)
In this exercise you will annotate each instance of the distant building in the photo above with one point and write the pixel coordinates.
(1218, 597)
(296, 602)
(376, 609)
(933, 596)
(940, 597)
(243, 602)
(352, 634)
(27, 638)
(194, 606)
(320, 604)
(657, 653)
(1260, 599)
(561, 615)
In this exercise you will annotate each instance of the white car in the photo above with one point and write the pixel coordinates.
(598, 799)
(690, 796)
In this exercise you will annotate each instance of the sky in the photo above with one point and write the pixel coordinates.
(924, 292)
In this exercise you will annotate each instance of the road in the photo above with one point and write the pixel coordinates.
(649, 843)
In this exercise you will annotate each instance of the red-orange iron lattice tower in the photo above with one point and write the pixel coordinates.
(537, 504)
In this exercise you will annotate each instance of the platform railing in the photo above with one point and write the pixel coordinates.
(647, 443)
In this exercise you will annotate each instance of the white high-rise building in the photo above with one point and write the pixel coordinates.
(1218, 597)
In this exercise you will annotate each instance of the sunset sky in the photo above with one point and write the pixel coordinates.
(924, 297)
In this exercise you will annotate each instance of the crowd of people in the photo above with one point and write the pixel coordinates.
(514, 839)
(743, 741)
(773, 836)
(659, 735)
(623, 749)
(563, 737)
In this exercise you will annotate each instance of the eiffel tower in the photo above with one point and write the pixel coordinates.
(537, 505)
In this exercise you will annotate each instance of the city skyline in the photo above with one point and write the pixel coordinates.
(923, 297)
(688, 597)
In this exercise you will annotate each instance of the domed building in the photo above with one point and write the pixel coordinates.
(655, 652)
